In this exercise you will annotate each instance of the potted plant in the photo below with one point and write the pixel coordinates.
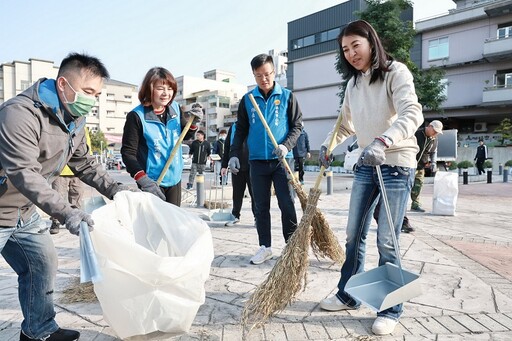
(464, 165)
(336, 166)
(488, 164)
(452, 165)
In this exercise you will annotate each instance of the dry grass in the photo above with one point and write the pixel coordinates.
(78, 292)
(288, 276)
(324, 243)
(212, 204)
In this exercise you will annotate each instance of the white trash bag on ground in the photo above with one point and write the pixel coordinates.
(446, 190)
(155, 258)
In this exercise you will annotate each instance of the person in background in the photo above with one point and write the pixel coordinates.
(151, 131)
(301, 151)
(200, 150)
(381, 107)
(427, 142)
(41, 130)
(282, 114)
(240, 180)
(219, 148)
(481, 156)
(70, 187)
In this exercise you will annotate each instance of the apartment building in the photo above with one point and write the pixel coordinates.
(472, 43)
(217, 92)
(116, 100)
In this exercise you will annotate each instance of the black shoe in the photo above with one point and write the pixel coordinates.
(417, 209)
(54, 229)
(58, 335)
(407, 228)
(189, 186)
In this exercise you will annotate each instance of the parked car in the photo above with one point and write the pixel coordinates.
(187, 159)
(353, 153)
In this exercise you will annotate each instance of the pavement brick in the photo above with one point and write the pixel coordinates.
(463, 262)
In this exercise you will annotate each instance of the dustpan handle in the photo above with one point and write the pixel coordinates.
(390, 220)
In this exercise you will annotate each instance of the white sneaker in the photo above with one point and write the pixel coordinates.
(233, 222)
(384, 325)
(263, 254)
(333, 303)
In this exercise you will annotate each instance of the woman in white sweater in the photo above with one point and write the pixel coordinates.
(382, 108)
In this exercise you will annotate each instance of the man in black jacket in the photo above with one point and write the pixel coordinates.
(200, 151)
(481, 156)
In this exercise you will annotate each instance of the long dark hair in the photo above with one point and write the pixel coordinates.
(380, 58)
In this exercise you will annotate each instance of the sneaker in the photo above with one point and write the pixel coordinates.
(263, 254)
(233, 222)
(406, 227)
(417, 209)
(189, 186)
(59, 335)
(384, 325)
(333, 303)
(54, 229)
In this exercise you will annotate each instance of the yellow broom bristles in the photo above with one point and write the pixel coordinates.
(324, 243)
(287, 277)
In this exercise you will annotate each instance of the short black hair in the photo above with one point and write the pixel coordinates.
(200, 132)
(261, 59)
(81, 61)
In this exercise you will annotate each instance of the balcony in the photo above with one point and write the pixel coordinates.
(497, 49)
(497, 95)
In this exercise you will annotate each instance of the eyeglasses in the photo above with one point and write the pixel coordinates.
(266, 75)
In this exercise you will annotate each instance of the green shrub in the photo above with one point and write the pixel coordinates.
(487, 164)
(465, 164)
(508, 163)
(337, 163)
(311, 163)
(453, 165)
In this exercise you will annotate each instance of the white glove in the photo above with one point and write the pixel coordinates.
(280, 151)
(74, 219)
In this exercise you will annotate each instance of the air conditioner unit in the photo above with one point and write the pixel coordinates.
(480, 127)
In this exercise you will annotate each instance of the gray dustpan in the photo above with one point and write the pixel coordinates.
(221, 215)
(389, 284)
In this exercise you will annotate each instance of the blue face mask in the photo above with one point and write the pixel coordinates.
(82, 103)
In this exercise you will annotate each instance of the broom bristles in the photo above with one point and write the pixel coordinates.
(287, 277)
(323, 243)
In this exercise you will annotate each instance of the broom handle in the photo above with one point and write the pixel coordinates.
(269, 132)
(175, 149)
(330, 147)
(390, 220)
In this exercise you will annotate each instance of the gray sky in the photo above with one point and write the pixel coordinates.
(187, 37)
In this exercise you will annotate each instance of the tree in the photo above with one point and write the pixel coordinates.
(96, 139)
(505, 129)
(398, 38)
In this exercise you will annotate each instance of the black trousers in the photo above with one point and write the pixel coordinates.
(240, 181)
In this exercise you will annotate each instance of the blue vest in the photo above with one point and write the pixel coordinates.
(160, 140)
(275, 112)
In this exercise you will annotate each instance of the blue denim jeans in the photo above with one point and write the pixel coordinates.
(263, 174)
(364, 197)
(29, 250)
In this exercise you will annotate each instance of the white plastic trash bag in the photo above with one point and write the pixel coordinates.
(155, 258)
(446, 190)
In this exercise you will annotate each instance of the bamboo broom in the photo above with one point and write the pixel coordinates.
(324, 243)
(289, 274)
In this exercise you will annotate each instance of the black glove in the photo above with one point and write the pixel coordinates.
(324, 159)
(75, 217)
(373, 154)
(234, 165)
(150, 186)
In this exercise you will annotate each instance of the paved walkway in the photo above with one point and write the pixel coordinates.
(465, 262)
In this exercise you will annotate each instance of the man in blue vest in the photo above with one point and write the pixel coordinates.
(282, 114)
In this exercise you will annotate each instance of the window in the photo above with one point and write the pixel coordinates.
(25, 85)
(111, 97)
(438, 48)
(504, 31)
(503, 79)
(316, 38)
(111, 112)
(127, 97)
(94, 111)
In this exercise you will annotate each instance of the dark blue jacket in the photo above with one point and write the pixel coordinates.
(302, 147)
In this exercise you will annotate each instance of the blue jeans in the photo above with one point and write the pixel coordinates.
(263, 174)
(364, 197)
(29, 250)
